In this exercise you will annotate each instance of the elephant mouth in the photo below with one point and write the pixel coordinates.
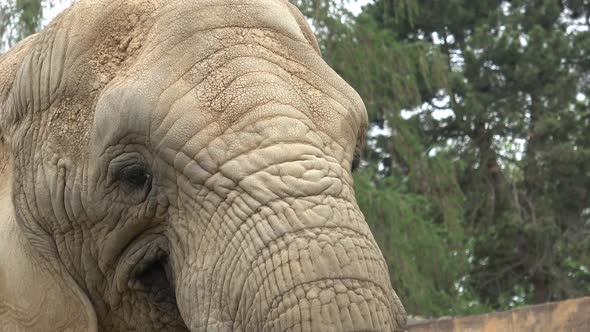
(144, 276)
(153, 277)
(144, 270)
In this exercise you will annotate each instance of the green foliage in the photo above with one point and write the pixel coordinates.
(517, 71)
(18, 19)
(30, 13)
(416, 249)
(505, 175)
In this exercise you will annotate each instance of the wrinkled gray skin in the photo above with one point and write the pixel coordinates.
(183, 165)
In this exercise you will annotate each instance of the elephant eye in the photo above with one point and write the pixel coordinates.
(135, 176)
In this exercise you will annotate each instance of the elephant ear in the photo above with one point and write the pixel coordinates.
(9, 63)
(36, 293)
(304, 26)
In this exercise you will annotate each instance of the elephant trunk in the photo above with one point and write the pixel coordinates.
(316, 279)
(320, 279)
(303, 263)
(273, 239)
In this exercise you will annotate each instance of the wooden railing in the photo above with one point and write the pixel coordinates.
(571, 316)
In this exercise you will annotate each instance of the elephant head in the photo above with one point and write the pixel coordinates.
(183, 165)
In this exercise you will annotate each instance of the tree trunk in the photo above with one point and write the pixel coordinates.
(541, 290)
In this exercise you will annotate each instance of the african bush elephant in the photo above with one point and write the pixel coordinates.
(183, 165)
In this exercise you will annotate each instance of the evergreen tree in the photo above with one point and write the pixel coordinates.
(519, 77)
(18, 19)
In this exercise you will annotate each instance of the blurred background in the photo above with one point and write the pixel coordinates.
(475, 177)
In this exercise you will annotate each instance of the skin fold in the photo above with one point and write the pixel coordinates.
(183, 165)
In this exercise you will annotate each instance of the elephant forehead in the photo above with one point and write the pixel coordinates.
(196, 92)
(178, 21)
(250, 92)
(108, 37)
(96, 42)
(194, 63)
